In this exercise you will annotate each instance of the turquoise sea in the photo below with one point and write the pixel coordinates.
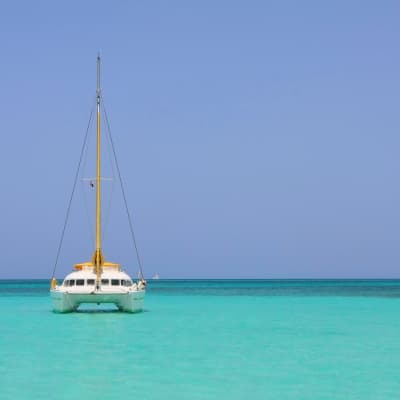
(218, 339)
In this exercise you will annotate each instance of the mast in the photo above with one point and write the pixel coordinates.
(98, 255)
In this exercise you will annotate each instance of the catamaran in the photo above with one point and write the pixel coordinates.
(98, 281)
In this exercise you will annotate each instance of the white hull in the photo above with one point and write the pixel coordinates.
(131, 301)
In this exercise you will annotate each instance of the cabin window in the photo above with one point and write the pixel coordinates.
(72, 282)
(66, 283)
(123, 282)
(128, 283)
(90, 282)
(105, 281)
(80, 282)
(114, 282)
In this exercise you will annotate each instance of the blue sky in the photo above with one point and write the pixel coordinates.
(256, 139)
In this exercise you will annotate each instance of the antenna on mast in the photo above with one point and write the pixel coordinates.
(98, 91)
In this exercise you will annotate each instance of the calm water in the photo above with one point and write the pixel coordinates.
(207, 340)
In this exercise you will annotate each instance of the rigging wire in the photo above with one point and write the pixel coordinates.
(107, 212)
(85, 202)
(83, 185)
(72, 194)
(123, 191)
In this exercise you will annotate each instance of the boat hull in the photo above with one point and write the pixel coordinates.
(64, 302)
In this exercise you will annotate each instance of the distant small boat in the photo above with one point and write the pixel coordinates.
(156, 276)
(98, 281)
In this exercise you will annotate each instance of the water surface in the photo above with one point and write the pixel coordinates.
(223, 339)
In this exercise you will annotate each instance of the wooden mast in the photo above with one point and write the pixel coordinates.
(98, 259)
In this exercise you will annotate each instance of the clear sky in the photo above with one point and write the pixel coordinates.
(256, 139)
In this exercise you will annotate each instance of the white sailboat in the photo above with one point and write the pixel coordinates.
(98, 281)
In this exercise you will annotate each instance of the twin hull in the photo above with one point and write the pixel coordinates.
(67, 302)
